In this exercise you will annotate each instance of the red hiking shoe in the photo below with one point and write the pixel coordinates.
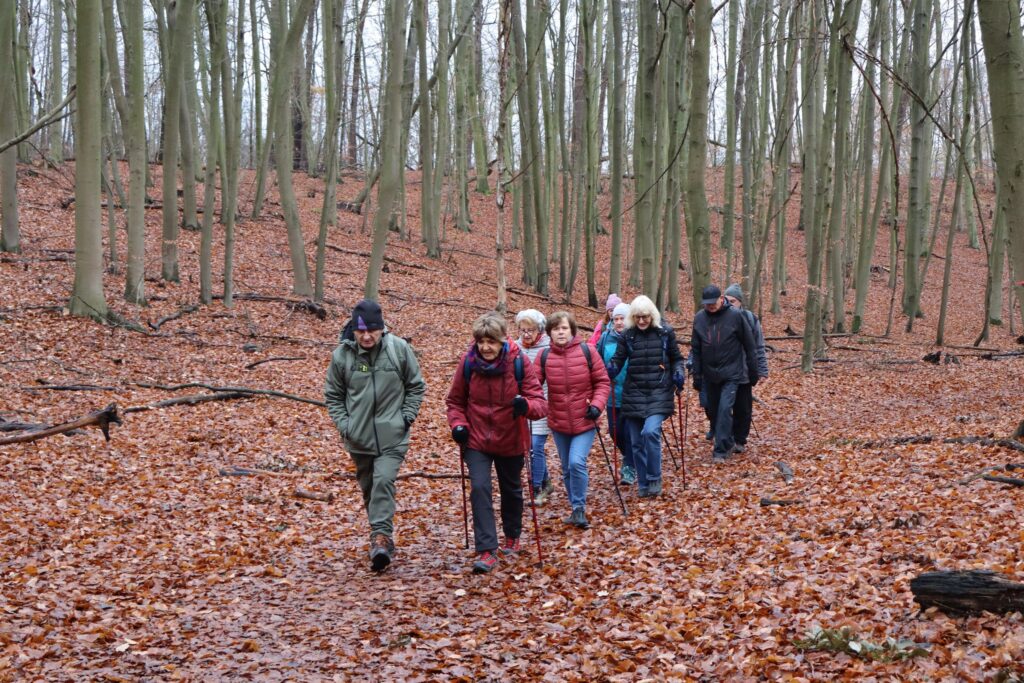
(511, 547)
(485, 562)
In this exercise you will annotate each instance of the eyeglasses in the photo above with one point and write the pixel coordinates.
(527, 332)
(642, 316)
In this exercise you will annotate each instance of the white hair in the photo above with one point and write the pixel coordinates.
(643, 305)
(533, 315)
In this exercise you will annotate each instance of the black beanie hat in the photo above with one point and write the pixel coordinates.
(367, 316)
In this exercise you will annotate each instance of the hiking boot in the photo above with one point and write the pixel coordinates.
(644, 492)
(739, 447)
(578, 519)
(654, 489)
(542, 493)
(710, 436)
(381, 550)
(510, 548)
(627, 475)
(485, 562)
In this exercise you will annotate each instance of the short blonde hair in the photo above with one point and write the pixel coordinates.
(490, 325)
(556, 319)
(643, 305)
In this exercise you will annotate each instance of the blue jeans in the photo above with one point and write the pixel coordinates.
(538, 461)
(620, 434)
(721, 398)
(646, 437)
(573, 452)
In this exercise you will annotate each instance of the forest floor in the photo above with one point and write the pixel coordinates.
(135, 559)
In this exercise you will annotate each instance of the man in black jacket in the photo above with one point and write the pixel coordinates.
(724, 357)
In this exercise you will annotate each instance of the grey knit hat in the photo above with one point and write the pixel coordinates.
(734, 291)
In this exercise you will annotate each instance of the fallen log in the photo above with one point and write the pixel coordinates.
(66, 387)
(100, 418)
(968, 592)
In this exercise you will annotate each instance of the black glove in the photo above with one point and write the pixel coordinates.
(679, 380)
(697, 383)
(753, 380)
(461, 435)
(519, 406)
(408, 421)
(593, 412)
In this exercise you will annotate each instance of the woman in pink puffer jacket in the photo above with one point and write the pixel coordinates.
(578, 388)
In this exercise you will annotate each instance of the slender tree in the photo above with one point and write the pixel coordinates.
(698, 227)
(10, 237)
(391, 133)
(87, 297)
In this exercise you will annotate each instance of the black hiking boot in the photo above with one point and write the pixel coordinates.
(381, 550)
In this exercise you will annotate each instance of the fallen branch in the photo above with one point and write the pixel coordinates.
(388, 259)
(66, 387)
(928, 438)
(243, 390)
(304, 305)
(785, 470)
(273, 359)
(101, 418)
(314, 495)
(174, 316)
(190, 400)
(765, 502)
(6, 426)
(236, 471)
(1012, 481)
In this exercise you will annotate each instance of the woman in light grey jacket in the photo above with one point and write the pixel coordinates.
(533, 340)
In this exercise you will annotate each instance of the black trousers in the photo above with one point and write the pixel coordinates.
(510, 486)
(742, 413)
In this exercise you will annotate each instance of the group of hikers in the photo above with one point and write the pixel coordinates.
(510, 392)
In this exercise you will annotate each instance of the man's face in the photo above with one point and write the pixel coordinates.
(368, 338)
(713, 308)
(733, 301)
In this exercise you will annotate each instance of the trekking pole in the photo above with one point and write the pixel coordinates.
(465, 510)
(615, 483)
(613, 420)
(529, 485)
(668, 444)
(679, 409)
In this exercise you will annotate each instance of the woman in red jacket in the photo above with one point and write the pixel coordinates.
(486, 404)
(578, 388)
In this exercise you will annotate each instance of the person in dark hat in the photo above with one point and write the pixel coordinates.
(743, 410)
(724, 357)
(373, 392)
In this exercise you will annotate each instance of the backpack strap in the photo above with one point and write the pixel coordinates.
(544, 360)
(517, 369)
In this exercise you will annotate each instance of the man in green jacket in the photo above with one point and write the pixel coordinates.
(373, 391)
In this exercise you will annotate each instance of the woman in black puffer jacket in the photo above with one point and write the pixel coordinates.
(655, 369)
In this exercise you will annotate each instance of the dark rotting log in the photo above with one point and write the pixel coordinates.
(968, 592)
(100, 418)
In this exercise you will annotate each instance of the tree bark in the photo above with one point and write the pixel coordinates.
(968, 592)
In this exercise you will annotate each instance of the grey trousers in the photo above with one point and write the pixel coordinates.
(376, 475)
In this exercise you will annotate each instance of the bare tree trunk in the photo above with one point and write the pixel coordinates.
(10, 236)
(391, 152)
(87, 297)
(698, 229)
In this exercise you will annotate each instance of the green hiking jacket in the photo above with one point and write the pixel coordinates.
(373, 394)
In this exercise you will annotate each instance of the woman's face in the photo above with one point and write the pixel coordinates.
(643, 320)
(561, 333)
(489, 348)
(529, 333)
(619, 323)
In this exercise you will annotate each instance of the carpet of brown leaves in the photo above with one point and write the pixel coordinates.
(135, 559)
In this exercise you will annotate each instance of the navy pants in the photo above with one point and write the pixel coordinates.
(721, 399)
